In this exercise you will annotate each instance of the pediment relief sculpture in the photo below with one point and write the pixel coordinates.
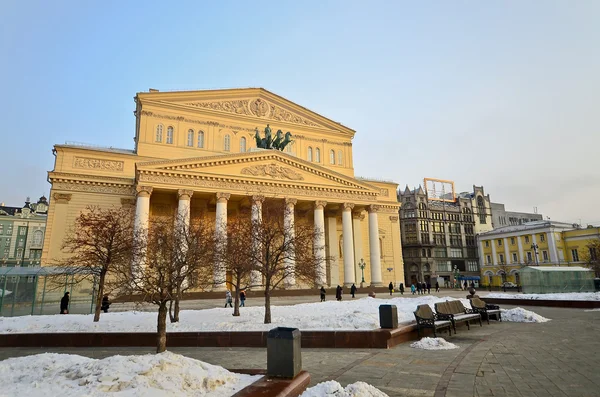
(274, 171)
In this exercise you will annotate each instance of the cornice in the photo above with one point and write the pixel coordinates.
(87, 178)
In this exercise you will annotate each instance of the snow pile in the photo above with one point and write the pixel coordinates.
(164, 374)
(520, 315)
(334, 389)
(592, 310)
(570, 296)
(433, 344)
(355, 314)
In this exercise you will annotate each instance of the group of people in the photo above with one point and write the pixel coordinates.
(423, 287)
(64, 304)
(229, 298)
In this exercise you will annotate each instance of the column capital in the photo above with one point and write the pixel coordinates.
(373, 208)
(62, 198)
(257, 198)
(291, 201)
(143, 191)
(223, 196)
(319, 204)
(348, 206)
(184, 194)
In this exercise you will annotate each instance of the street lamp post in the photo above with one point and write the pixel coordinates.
(362, 265)
(535, 247)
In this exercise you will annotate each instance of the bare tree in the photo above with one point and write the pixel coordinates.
(591, 257)
(100, 241)
(169, 258)
(282, 252)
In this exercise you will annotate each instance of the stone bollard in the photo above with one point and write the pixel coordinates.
(284, 359)
(388, 316)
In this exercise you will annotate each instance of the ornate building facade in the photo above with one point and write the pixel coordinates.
(196, 151)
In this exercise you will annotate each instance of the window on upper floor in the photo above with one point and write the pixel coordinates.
(545, 256)
(159, 133)
(593, 254)
(190, 140)
(9, 230)
(332, 156)
(242, 144)
(499, 242)
(340, 157)
(170, 135)
(481, 210)
(227, 143)
(487, 244)
(309, 154)
(515, 259)
(526, 239)
(488, 259)
(38, 236)
(501, 256)
(201, 139)
(512, 241)
(575, 255)
(542, 237)
(317, 155)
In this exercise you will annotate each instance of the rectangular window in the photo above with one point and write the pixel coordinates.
(20, 243)
(575, 255)
(526, 239)
(22, 231)
(499, 243)
(515, 260)
(512, 241)
(30, 279)
(487, 244)
(9, 230)
(489, 260)
(542, 237)
(529, 257)
(501, 258)
(545, 255)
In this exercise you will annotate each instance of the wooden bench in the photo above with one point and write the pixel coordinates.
(456, 313)
(486, 310)
(426, 318)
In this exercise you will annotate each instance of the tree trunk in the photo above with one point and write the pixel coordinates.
(171, 318)
(267, 305)
(236, 303)
(176, 314)
(161, 328)
(100, 296)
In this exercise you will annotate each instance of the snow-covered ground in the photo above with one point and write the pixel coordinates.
(433, 344)
(592, 310)
(334, 389)
(570, 296)
(520, 315)
(356, 314)
(164, 374)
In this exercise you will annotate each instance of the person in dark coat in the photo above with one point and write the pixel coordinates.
(429, 288)
(338, 293)
(353, 290)
(401, 288)
(391, 288)
(418, 288)
(64, 304)
(105, 304)
(437, 287)
(242, 298)
(323, 294)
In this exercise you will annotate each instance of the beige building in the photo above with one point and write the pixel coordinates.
(196, 151)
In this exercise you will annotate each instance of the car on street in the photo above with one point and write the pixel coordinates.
(508, 284)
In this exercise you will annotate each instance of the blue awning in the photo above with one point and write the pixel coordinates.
(469, 277)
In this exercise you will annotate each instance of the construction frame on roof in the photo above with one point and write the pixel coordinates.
(439, 190)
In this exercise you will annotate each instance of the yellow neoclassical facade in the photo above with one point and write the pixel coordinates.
(197, 151)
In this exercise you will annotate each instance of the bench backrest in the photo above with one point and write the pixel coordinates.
(478, 303)
(450, 307)
(424, 311)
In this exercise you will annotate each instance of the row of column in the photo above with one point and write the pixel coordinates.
(351, 226)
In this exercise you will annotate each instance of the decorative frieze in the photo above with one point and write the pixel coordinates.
(274, 171)
(98, 164)
(94, 187)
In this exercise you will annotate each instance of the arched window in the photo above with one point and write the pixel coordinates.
(38, 235)
(481, 209)
(340, 157)
(332, 156)
(242, 144)
(317, 155)
(309, 154)
(190, 142)
(170, 135)
(227, 143)
(159, 129)
(201, 139)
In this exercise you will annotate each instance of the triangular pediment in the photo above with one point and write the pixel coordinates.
(261, 166)
(254, 103)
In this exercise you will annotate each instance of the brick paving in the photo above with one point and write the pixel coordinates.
(558, 358)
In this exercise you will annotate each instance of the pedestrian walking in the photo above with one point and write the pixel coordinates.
(323, 294)
(429, 288)
(391, 288)
(418, 288)
(412, 288)
(401, 287)
(105, 304)
(465, 286)
(242, 298)
(353, 290)
(64, 304)
(437, 287)
(472, 284)
(228, 299)
(338, 293)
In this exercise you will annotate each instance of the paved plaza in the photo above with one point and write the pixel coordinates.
(557, 358)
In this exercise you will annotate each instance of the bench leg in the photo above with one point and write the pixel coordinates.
(487, 317)
(419, 332)
(434, 332)
(468, 326)
(480, 324)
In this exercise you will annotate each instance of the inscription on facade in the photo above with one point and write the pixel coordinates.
(274, 171)
(97, 164)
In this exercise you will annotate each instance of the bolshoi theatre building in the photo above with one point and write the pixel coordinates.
(201, 152)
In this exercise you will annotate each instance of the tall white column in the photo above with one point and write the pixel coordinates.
(142, 217)
(552, 246)
(257, 202)
(507, 258)
(521, 252)
(357, 218)
(333, 248)
(481, 254)
(288, 225)
(348, 246)
(494, 255)
(534, 252)
(319, 243)
(374, 249)
(183, 221)
(219, 272)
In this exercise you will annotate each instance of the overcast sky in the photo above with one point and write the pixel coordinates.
(503, 95)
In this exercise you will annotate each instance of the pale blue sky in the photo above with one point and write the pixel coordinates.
(503, 95)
